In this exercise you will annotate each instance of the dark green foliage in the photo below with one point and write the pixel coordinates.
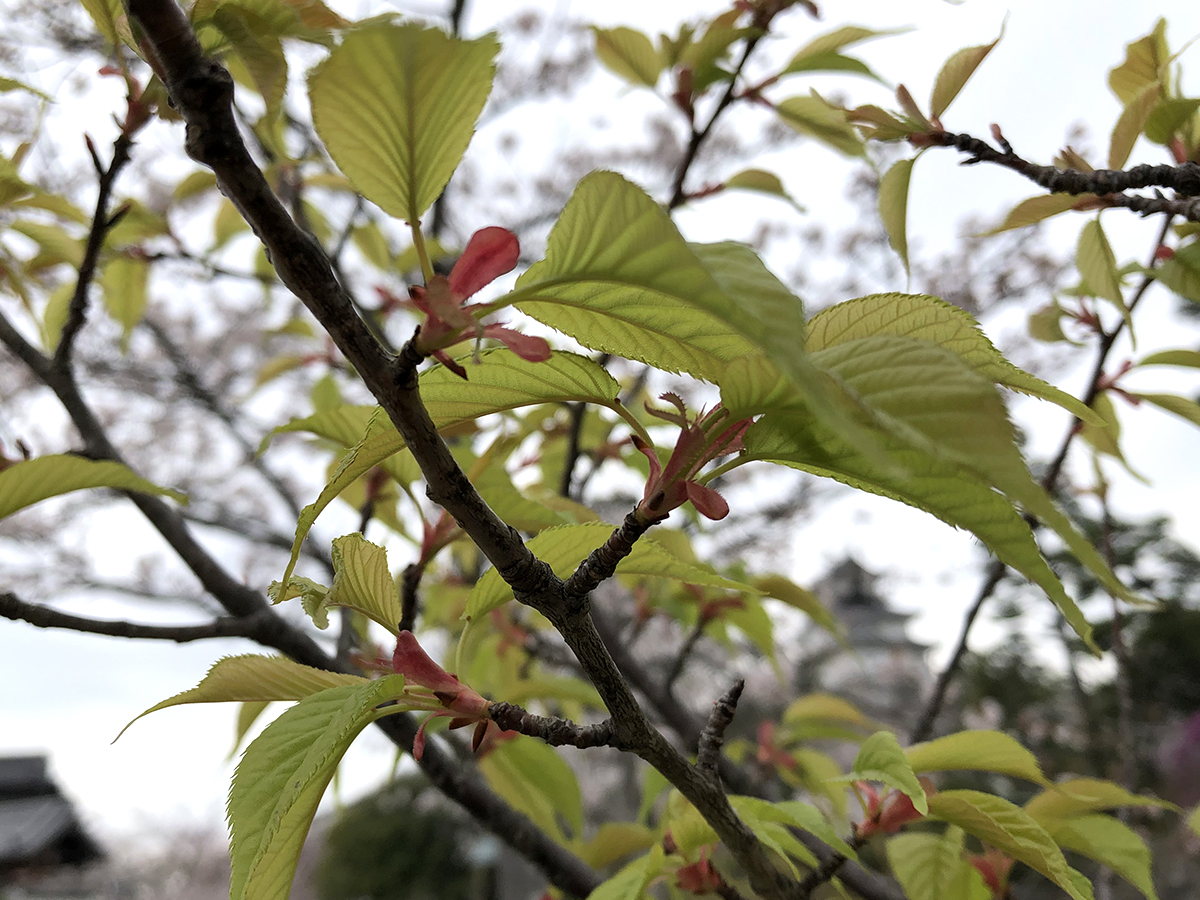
(402, 843)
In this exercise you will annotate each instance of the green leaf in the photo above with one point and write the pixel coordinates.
(954, 74)
(831, 62)
(893, 206)
(109, 18)
(614, 841)
(500, 381)
(958, 446)
(1010, 829)
(931, 867)
(361, 581)
(761, 182)
(1189, 358)
(1172, 403)
(255, 679)
(124, 283)
(1181, 273)
(281, 778)
(1168, 117)
(1193, 821)
(396, 106)
(1038, 208)
(934, 320)
(563, 548)
(812, 116)
(618, 277)
(806, 601)
(1081, 796)
(688, 827)
(1130, 124)
(1106, 437)
(825, 708)
(838, 39)
(772, 827)
(979, 751)
(537, 781)
(628, 54)
(800, 815)
(54, 316)
(28, 482)
(1110, 843)
(11, 84)
(1098, 267)
(631, 881)
(880, 758)
(248, 713)
(258, 49)
(1145, 61)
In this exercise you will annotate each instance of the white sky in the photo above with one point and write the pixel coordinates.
(1047, 73)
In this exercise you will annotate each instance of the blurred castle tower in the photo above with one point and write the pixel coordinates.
(881, 670)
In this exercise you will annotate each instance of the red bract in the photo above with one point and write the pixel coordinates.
(994, 866)
(701, 440)
(490, 253)
(886, 815)
(700, 877)
(460, 701)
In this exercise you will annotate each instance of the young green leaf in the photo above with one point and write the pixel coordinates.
(535, 779)
(979, 751)
(1098, 268)
(1193, 821)
(1168, 118)
(1036, 209)
(396, 107)
(630, 882)
(1009, 828)
(1131, 123)
(1080, 796)
(1110, 843)
(954, 74)
(565, 547)
(1181, 273)
(796, 814)
(614, 841)
(811, 115)
(33, 480)
(893, 206)
(361, 581)
(1173, 403)
(880, 758)
(251, 679)
(931, 867)
(628, 54)
(618, 277)
(1189, 358)
(787, 591)
(934, 320)
(825, 708)
(249, 712)
(1145, 61)
(281, 778)
(762, 182)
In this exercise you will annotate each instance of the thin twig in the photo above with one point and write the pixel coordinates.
(685, 651)
(713, 736)
(551, 729)
(12, 607)
(102, 223)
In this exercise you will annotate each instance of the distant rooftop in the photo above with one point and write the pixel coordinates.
(38, 826)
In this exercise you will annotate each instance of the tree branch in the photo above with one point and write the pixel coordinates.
(102, 223)
(713, 735)
(12, 607)
(553, 730)
(1108, 184)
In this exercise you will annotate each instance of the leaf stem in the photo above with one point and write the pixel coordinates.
(422, 253)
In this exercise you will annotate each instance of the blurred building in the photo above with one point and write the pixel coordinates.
(41, 837)
(880, 668)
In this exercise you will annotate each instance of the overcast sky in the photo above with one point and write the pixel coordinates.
(1047, 74)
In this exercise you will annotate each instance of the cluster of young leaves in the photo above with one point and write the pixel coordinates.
(895, 394)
